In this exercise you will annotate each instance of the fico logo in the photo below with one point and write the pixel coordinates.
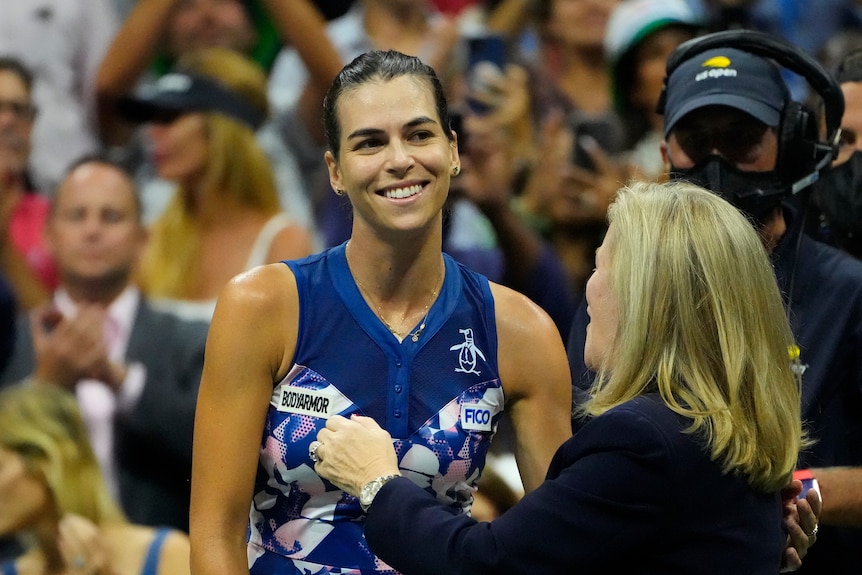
(476, 415)
(718, 67)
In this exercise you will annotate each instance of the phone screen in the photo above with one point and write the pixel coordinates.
(487, 58)
(603, 131)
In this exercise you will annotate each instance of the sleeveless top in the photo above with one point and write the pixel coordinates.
(202, 310)
(151, 561)
(439, 397)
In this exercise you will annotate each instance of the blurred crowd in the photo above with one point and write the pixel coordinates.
(151, 150)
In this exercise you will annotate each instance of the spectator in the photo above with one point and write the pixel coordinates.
(134, 371)
(54, 498)
(574, 175)
(838, 193)
(225, 217)
(62, 43)
(250, 27)
(641, 34)
(517, 256)
(24, 257)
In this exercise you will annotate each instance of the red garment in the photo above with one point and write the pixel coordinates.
(453, 7)
(27, 232)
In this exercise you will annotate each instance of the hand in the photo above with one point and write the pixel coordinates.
(82, 547)
(506, 94)
(587, 194)
(487, 168)
(801, 517)
(546, 180)
(70, 349)
(353, 452)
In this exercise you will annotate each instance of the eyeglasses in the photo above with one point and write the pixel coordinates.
(20, 110)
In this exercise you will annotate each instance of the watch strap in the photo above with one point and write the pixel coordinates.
(370, 489)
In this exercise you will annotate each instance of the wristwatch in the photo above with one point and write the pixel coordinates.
(370, 489)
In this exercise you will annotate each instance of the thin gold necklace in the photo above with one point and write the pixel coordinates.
(412, 335)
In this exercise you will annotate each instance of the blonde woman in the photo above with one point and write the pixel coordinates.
(225, 216)
(694, 420)
(53, 497)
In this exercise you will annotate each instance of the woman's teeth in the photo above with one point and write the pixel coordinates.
(400, 193)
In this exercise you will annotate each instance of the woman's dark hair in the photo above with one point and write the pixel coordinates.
(17, 67)
(850, 68)
(378, 65)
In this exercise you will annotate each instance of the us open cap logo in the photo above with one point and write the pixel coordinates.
(718, 67)
(717, 62)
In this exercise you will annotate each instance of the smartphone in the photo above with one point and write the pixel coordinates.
(489, 48)
(606, 133)
(486, 59)
(808, 482)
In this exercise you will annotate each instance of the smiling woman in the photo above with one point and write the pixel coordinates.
(384, 325)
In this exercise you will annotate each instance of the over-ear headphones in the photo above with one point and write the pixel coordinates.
(801, 154)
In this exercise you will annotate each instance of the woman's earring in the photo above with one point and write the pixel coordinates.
(339, 192)
(456, 170)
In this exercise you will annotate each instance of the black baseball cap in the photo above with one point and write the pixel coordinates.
(726, 77)
(180, 92)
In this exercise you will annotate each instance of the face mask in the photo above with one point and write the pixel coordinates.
(839, 194)
(755, 193)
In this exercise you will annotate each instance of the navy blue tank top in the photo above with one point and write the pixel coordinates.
(439, 397)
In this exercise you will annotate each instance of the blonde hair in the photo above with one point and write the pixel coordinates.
(702, 322)
(43, 425)
(237, 168)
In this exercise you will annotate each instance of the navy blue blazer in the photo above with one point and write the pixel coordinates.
(629, 493)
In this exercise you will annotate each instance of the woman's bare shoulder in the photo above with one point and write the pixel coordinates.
(130, 544)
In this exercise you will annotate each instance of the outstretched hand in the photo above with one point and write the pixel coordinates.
(353, 452)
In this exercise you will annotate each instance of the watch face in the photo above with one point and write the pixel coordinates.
(369, 490)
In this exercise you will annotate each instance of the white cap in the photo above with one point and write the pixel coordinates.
(633, 20)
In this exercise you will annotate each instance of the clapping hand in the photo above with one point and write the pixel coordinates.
(69, 349)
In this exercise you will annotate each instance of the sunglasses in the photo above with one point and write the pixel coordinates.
(164, 117)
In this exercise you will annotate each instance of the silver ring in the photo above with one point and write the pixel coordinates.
(312, 451)
(814, 531)
(78, 562)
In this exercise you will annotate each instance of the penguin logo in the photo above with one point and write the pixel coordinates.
(467, 353)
